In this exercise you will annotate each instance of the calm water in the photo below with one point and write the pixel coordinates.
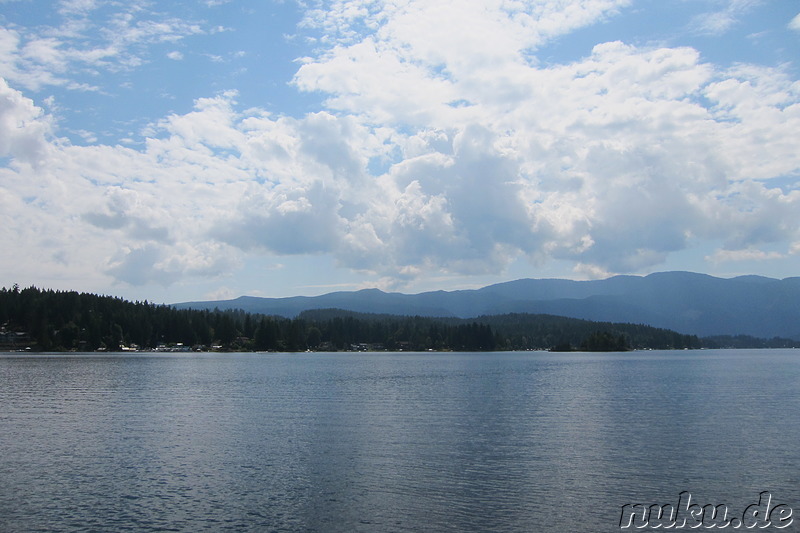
(390, 442)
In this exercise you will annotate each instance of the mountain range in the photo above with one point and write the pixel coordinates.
(690, 303)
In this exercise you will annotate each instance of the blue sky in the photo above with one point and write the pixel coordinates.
(188, 150)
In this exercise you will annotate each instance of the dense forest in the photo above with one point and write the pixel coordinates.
(47, 320)
(748, 341)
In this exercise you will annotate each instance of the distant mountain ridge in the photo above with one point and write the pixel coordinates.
(690, 303)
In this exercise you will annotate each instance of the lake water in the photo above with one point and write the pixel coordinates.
(390, 442)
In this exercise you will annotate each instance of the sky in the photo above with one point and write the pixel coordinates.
(207, 149)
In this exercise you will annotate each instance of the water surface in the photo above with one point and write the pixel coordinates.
(387, 441)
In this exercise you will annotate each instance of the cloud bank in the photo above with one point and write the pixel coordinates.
(441, 148)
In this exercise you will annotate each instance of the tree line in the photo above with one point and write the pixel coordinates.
(49, 320)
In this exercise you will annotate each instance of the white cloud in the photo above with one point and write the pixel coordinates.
(719, 22)
(591, 272)
(411, 68)
(617, 158)
(125, 28)
(222, 293)
(150, 263)
(175, 55)
(77, 6)
(61, 55)
(795, 23)
(484, 155)
(15, 67)
(748, 254)
(23, 127)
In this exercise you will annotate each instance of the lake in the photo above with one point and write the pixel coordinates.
(523, 441)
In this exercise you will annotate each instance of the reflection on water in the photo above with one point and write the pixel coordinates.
(389, 442)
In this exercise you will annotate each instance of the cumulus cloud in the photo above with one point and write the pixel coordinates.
(613, 161)
(438, 152)
(23, 127)
(151, 264)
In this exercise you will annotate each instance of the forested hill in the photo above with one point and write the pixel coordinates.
(687, 302)
(54, 320)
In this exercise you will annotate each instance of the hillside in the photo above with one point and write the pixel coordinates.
(692, 304)
(46, 320)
